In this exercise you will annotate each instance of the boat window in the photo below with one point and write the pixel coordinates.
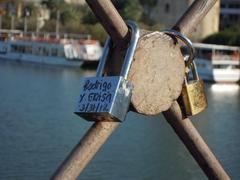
(18, 48)
(226, 55)
(204, 53)
(225, 66)
(45, 51)
(61, 53)
(37, 50)
(34, 49)
(21, 49)
(28, 49)
(40, 50)
(227, 52)
(54, 51)
(13, 48)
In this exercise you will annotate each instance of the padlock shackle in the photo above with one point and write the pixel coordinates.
(186, 41)
(135, 33)
(194, 71)
(103, 58)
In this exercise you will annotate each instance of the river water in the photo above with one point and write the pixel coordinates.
(38, 129)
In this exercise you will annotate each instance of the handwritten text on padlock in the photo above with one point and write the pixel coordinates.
(97, 94)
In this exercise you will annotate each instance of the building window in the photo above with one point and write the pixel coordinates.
(223, 5)
(167, 8)
(234, 6)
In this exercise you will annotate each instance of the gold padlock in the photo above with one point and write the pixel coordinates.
(193, 98)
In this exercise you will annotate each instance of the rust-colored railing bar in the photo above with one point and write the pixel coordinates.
(85, 150)
(110, 19)
(195, 143)
(182, 125)
(193, 15)
(100, 131)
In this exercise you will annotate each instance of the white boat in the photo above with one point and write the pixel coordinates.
(48, 50)
(218, 63)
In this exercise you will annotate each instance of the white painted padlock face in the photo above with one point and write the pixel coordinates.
(104, 98)
(97, 94)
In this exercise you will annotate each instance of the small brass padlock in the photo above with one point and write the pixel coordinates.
(193, 98)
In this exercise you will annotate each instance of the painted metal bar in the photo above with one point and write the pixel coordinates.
(195, 143)
(85, 150)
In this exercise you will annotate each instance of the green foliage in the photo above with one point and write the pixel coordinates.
(229, 36)
(149, 2)
(147, 20)
(88, 16)
(234, 28)
(73, 27)
(49, 26)
(31, 23)
(157, 27)
(129, 9)
(6, 22)
(54, 4)
(31, 8)
(80, 19)
(97, 32)
(70, 14)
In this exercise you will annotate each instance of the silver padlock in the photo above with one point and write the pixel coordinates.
(107, 98)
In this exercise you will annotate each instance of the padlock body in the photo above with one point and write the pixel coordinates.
(193, 97)
(104, 98)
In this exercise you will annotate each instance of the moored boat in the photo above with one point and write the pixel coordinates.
(218, 63)
(48, 49)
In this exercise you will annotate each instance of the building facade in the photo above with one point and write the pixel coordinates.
(230, 13)
(167, 12)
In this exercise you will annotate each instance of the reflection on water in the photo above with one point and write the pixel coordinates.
(225, 88)
(38, 129)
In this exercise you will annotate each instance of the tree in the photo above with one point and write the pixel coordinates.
(54, 6)
(31, 8)
(228, 36)
(88, 16)
(129, 9)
